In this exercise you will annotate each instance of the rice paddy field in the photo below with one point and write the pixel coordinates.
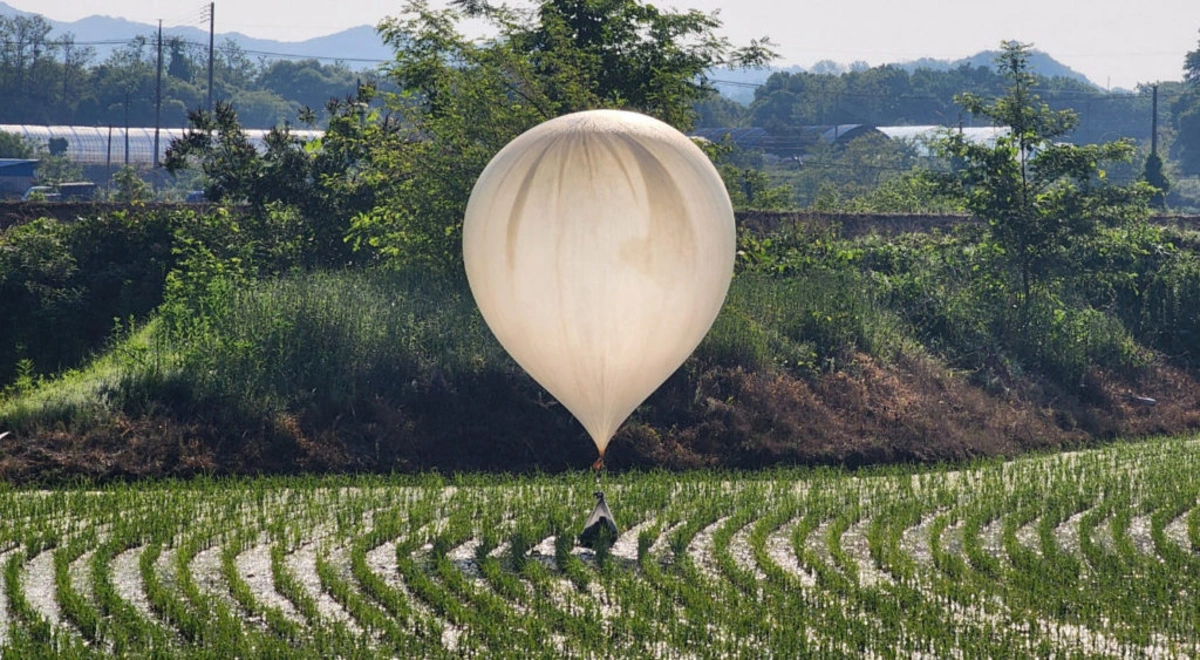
(1087, 554)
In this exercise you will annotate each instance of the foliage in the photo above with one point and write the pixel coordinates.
(886, 95)
(463, 100)
(1191, 67)
(130, 186)
(63, 284)
(1153, 175)
(746, 181)
(834, 176)
(13, 145)
(1038, 196)
(327, 342)
(57, 169)
(1187, 116)
(1187, 126)
(316, 184)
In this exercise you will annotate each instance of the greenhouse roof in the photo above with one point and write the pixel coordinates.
(102, 145)
(985, 135)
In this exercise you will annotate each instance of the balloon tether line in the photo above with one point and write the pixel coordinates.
(597, 469)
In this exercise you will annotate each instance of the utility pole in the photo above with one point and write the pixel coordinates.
(212, 6)
(126, 127)
(158, 95)
(67, 43)
(1154, 121)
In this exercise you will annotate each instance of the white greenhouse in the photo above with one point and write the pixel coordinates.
(105, 145)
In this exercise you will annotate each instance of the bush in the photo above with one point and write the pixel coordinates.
(1065, 342)
(325, 342)
(804, 323)
(63, 284)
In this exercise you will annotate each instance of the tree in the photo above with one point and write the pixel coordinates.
(1041, 198)
(1187, 117)
(297, 192)
(130, 187)
(308, 82)
(1191, 67)
(53, 169)
(13, 145)
(1153, 174)
(179, 64)
(463, 100)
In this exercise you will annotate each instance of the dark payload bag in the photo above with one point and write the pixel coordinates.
(599, 523)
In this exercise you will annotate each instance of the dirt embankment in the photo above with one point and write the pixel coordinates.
(914, 411)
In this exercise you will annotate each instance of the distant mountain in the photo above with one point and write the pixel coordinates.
(359, 47)
(1039, 63)
(739, 84)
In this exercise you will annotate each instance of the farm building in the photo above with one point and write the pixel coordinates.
(800, 140)
(922, 136)
(793, 144)
(16, 175)
(111, 145)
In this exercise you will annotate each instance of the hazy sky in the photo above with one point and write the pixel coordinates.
(1114, 42)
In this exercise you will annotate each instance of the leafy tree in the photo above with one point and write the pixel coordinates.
(307, 82)
(1153, 174)
(1187, 116)
(13, 145)
(179, 64)
(1191, 67)
(130, 187)
(57, 169)
(718, 111)
(317, 182)
(1042, 199)
(463, 100)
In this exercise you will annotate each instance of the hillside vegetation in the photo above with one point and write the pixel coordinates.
(315, 317)
(829, 349)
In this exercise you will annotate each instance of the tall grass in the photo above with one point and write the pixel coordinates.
(803, 324)
(328, 340)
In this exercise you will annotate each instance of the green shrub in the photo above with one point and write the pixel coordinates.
(1167, 312)
(62, 284)
(325, 341)
(804, 323)
(1064, 342)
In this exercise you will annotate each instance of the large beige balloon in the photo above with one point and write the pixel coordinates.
(599, 247)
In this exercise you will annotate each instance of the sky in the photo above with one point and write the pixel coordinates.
(1115, 43)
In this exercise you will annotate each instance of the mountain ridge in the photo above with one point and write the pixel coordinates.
(360, 45)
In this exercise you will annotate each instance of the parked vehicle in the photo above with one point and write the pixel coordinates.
(74, 191)
(41, 194)
(77, 191)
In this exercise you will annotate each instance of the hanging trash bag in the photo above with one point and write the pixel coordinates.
(599, 524)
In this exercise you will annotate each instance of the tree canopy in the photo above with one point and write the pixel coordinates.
(1041, 198)
(462, 100)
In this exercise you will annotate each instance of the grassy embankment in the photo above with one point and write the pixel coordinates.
(853, 351)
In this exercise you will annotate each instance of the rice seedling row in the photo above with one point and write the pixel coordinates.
(1093, 553)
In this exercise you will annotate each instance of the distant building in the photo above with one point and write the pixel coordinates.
(922, 136)
(800, 140)
(793, 144)
(16, 176)
(104, 145)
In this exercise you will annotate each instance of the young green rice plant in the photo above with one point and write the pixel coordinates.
(714, 564)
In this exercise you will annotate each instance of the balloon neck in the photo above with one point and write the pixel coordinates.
(598, 465)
